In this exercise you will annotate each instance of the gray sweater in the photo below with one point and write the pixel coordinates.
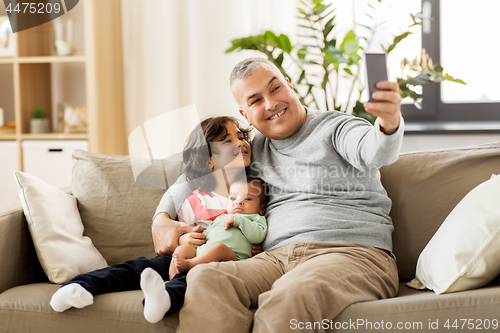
(323, 182)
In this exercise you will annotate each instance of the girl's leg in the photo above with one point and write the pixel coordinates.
(125, 276)
(216, 252)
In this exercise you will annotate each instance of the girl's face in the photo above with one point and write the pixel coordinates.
(230, 150)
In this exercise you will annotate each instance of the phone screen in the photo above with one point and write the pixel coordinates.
(376, 71)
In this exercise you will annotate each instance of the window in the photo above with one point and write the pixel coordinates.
(462, 36)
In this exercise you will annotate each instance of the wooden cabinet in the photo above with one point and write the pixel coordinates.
(92, 78)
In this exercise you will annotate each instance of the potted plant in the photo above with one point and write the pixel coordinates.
(316, 64)
(39, 121)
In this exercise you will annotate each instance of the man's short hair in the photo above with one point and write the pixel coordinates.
(246, 67)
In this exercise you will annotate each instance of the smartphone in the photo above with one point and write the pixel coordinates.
(376, 71)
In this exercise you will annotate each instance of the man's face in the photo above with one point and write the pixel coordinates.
(269, 103)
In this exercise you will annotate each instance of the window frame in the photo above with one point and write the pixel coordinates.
(437, 116)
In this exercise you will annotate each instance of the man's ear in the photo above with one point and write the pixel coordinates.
(288, 82)
(245, 115)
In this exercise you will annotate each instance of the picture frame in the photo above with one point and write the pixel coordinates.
(7, 43)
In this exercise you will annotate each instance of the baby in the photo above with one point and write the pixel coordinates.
(230, 236)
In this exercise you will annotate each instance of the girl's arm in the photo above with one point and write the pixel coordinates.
(166, 233)
(165, 230)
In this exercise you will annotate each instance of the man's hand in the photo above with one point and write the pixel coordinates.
(229, 223)
(256, 249)
(194, 238)
(388, 111)
(166, 233)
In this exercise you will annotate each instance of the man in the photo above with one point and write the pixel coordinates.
(329, 230)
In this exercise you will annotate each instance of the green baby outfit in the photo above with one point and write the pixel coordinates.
(247, 230)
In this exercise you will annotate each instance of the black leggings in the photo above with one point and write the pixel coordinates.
(127, 276)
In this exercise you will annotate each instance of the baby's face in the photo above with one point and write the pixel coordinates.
(245, 198)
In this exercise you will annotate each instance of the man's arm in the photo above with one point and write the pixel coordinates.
(363, 145)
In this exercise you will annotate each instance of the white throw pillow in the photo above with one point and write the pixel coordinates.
(56, 229)
(465, 251)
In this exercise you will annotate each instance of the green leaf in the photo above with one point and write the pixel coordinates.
(334, 56)
(350, 46)
(313, 37)
(359, 111)
(397, 40)
(329, 25)
(279, 59)
(308, 27)
(448, 77)
(348, 71)
(302, 52)
(284, 43)
(301, 77)
(271, 38)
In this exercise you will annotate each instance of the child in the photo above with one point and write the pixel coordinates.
(219, 141)
(229, 237)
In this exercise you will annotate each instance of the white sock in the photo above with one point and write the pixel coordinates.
(156, 298)
(71, 295)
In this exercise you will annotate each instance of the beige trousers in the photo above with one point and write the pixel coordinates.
(302, 282)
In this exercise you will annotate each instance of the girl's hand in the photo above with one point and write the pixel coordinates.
(194, 238)
(229, 222)
(256, 249)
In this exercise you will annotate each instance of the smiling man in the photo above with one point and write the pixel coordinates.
(329, 231)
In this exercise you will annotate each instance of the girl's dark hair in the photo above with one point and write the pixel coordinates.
(197, 152)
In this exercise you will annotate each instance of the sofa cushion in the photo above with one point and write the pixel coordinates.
(424, 187)
(116, 212)
(56, 230)
(27, 309)
(465, 251)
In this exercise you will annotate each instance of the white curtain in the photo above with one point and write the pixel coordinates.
(174, 51)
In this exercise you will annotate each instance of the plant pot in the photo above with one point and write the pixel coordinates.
(39, 125)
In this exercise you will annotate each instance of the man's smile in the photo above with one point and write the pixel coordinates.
(277, 115)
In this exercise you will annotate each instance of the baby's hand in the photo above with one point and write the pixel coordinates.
(229, 222)
(194, 238)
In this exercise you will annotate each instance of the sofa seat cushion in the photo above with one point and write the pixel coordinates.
(413, 308)
(26, 309)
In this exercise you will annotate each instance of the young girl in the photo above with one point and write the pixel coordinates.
(215, 153)
(211, 171)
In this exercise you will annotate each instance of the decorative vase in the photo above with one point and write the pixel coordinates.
(39, 125)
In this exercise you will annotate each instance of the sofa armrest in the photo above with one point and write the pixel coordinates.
(18, 260)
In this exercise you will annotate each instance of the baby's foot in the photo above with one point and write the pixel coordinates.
(181, 264)
(156, 298)
(71, 295)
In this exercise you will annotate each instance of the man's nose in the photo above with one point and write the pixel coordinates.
(270, 104)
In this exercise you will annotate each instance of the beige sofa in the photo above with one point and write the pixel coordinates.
(424, 187)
